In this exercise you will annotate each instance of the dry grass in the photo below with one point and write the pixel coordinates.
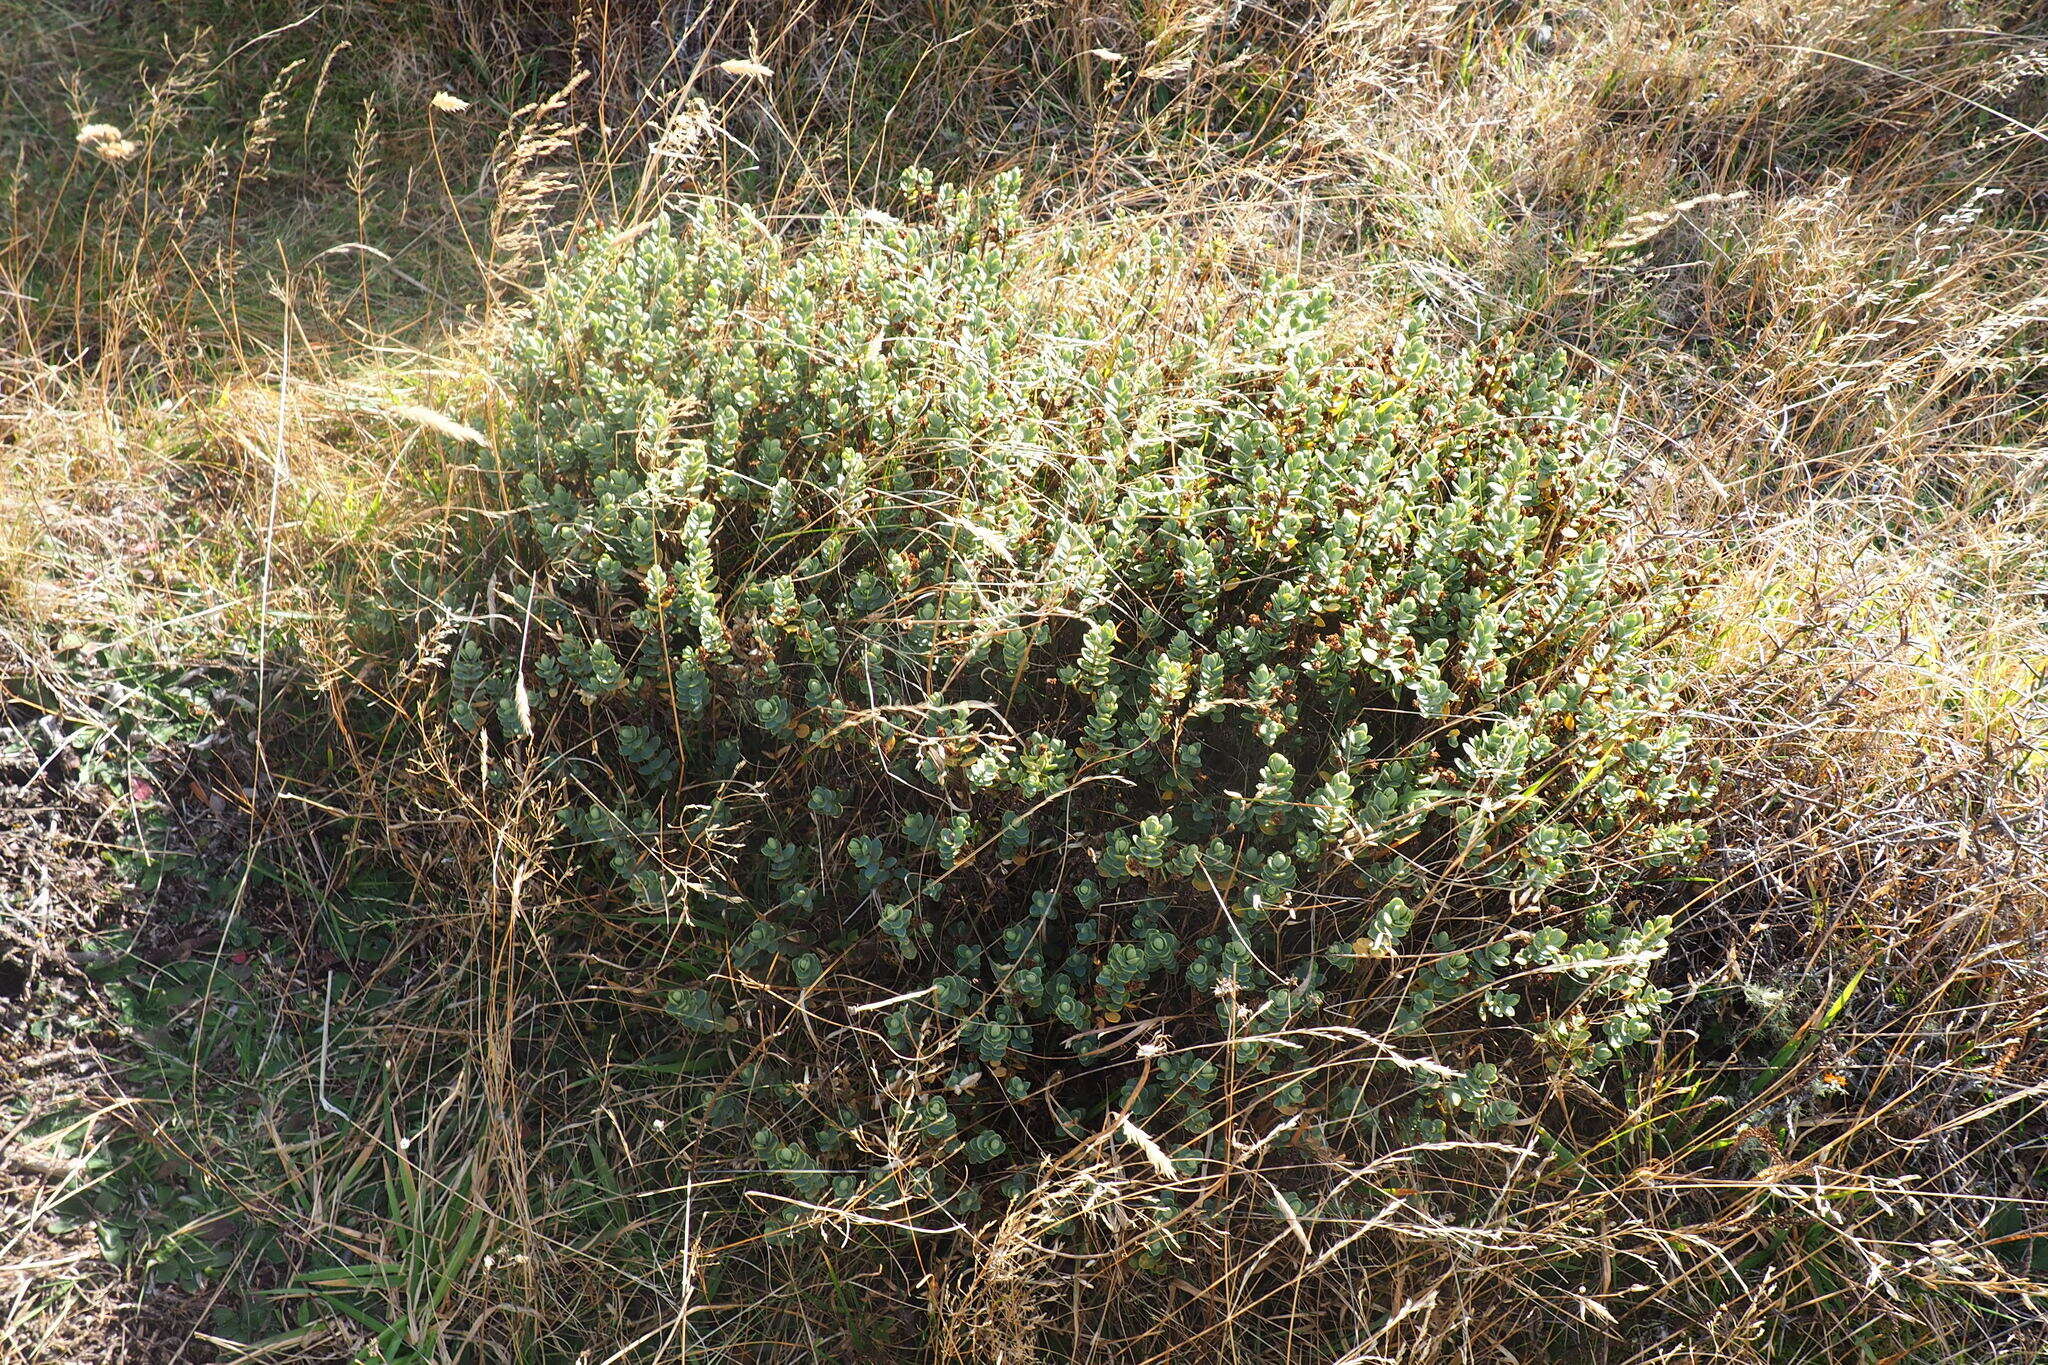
(1800, 246)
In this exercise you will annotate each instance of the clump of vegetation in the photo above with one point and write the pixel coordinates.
(979, 787)
(976, 621)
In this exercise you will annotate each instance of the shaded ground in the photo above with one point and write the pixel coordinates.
(61, 1299)
(115, 844)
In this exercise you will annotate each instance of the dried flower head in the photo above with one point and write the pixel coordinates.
(107, 142)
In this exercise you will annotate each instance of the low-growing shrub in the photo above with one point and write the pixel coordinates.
(1036, 688)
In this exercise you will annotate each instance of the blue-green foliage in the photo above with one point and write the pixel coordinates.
(1061, 639)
